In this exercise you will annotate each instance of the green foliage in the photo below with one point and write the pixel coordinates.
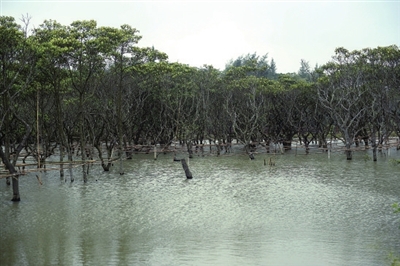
(396, 207)
(305, 71)
(395, 161)
(253, 65)
(394, 260)
(11, 35)
(367, 158)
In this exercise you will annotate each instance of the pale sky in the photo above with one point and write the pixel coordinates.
(214, 32)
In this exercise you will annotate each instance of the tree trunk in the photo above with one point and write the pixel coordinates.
(348, 142)
(61, 162)
(366, 144)
(189, 146)
(119, 115)
(349, 155)
(14, 178)
(82, 136)
(106, 167)
(218, 148)
(15, 186)
(287, 142)
(374, 158)
(128, 150)
(306, 144)
(374, 146)
(322, 143)
(121, 168)
(186, 168)
(11, 165)
(247, 147)
(71, 175)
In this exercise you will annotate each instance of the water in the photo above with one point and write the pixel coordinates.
(305, 210)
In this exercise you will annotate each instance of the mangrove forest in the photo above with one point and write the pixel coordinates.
(81, 89)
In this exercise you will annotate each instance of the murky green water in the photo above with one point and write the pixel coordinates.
(306, 210)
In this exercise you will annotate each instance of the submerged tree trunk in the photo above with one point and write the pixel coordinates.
(287, 142)
(374, 157)
(5, 157)
(348, 143)
(322, 143)
(7, 141)
(366, 144)
(374, 146)
(82, 136)
(128, 150)
(189, 146)
(119, 111)
(306, 143)
(106, 166)
(15, 186)
(61, 162)
(121, 168)
(14, 179)
(349, 155)
(186, 168)
(71, 175)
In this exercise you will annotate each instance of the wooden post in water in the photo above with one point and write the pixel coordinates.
(186, 168)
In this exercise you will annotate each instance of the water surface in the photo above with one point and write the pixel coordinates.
(305, 210)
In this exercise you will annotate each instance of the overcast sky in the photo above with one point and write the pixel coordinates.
(214, 32)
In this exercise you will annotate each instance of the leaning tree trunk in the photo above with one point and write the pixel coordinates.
(14, 178)
(11, 165)
(106, 166)
(186, 169)
(15, 184)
